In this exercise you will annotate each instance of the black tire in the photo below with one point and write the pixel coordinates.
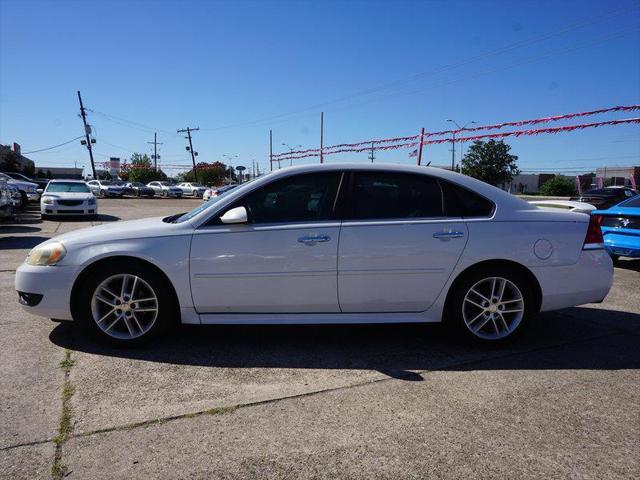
(164, 193)
(457, 306)
(137, 193)
(614, 257)
(101, 193)
(24, 200)
(168, 312)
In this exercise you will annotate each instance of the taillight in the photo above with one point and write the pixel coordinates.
(594, 238)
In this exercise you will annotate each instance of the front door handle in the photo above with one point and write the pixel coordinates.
(312, 240)
(445, 236)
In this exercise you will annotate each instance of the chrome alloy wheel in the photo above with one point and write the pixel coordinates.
(124, 306)
(493, 308)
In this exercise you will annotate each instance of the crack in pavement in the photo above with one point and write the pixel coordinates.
(233, 408)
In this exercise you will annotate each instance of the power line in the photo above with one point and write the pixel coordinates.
(55, 146)
(451, 66)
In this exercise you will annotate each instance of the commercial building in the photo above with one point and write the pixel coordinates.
(15, 152)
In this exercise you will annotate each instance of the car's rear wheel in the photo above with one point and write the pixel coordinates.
(126, 304)
(164, 193)
(492, 306)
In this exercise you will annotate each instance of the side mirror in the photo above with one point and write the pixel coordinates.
(235, 215)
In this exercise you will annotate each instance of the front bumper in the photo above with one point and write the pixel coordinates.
(174, 194)
(54, 283)
(68, 210)
(33, 196)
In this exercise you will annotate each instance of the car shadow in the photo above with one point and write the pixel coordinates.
(101, 217)
(6, 229)
(19, 243)
(576, 338)
(628, 264)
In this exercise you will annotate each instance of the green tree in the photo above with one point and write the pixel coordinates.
(140, 169)
(490, 162)
(10, 163)
(215, 173)
(558, 186)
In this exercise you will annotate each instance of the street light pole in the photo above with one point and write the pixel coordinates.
(453, 144)
(291, 149)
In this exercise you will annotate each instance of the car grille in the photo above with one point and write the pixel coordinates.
(70, 203)
(621, 222)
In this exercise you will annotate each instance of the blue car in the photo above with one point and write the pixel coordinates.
(620, 227)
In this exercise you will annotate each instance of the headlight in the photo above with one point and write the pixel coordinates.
(48, 254)
(47, 200)
(91, 201)
(31, 189)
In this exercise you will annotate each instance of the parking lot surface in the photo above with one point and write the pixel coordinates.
(396, 401)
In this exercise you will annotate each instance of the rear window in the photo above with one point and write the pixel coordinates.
(391, 195)
(632, 202)
(461, 202)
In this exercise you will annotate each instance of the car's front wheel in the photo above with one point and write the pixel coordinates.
(492, 306)
(126, 304)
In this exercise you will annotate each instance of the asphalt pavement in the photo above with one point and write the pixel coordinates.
(385, 401)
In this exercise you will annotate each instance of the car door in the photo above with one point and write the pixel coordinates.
(283, 260)
(155, 186)
(397, 247)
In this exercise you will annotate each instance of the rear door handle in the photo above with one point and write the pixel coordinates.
(312, 240)
(444, 236)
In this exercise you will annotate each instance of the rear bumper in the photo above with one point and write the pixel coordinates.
(586, 281)
(53, 283)
(623, 242)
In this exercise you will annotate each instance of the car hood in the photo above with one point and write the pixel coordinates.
(128, 229)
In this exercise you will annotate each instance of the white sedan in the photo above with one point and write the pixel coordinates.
(192, 188)
(67, 197)
(165, 189)
(320, 244)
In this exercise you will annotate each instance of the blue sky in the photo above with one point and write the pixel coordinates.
(377, 69)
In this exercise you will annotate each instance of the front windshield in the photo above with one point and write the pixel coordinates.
(202, 207)
(74, 187)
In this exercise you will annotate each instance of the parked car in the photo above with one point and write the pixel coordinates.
(217, 191)
(68, 197)
(105, 188)
(571, 206)
(603, 198)
(165, 189)
(192, 188)
(8, 199)
(138, 189)
(620, 227)
(28, 190)
(417, 244)
(41, 182)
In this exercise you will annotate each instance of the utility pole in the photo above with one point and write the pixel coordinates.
(371, 156)
(87, 131)
(155, 144)
(190, 148)
(270, 151)
(453, 144)
(321, 136)
(420, 146)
